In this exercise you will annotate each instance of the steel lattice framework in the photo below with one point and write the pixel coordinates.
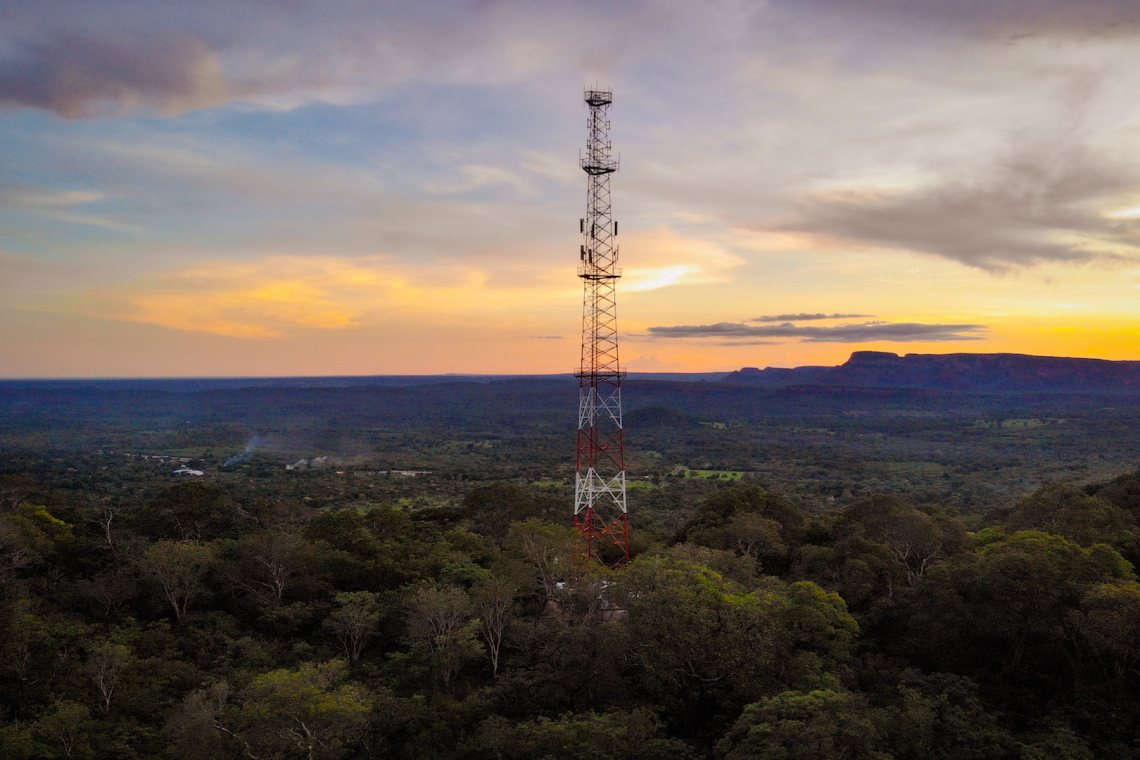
(600, 510)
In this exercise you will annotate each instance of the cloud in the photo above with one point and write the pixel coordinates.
(661, 258)
(57, 205)
(21, 275)
(76, 76)
(901, 332)
(15, 195)
(476, 177)
(807, 317)
(988, 18)
(1044, 203)
(750, 343)
(278, 296)
(115, 59)
(545, 337)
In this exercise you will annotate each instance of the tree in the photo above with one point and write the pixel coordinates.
(308, 711)
(354, 621)
(198, 731)
(1002, 615)
(493, 599)
(862, 571)
(16, 552)
(37, 649)
(180, 570)
(63, 730)
(939, 717)
(634, 735)
(190, 511)
(439, 625)
(728, 563)
(107, 661)
(824, 724)
(1108, 623)
(110, 591)
(29, 535)
(378, 550)
(756, 536)
(493, 508)
(305, 712)
(267, 564)
(914, 538)
(705, 647)
(103, 521)
(13, 490)
(549, 551)
(718, 510)
(1069, 512)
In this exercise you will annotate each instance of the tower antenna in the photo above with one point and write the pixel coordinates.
(600, 510)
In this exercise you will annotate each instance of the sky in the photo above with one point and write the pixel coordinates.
(255, 188)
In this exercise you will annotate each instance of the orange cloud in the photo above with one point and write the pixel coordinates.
(276, 295)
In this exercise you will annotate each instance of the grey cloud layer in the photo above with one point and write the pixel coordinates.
(904, 332)
(102, 59)
(72, 75)
(85, 59)
(719, 115)
(990, 17)
(807, 317)
(1040, 205)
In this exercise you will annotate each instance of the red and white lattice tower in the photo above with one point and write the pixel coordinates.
(600, 510)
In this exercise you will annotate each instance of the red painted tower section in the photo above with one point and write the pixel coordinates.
(600, 510)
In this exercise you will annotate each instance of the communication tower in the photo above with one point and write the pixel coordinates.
(600, 510)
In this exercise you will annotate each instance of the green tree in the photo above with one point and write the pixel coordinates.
(775, 524)
(1003, 614)
(354, 621)
(270, 567)
(29, 535)
(1069, 512)
(308, 712)
(16, 742)
(939, 717)
(913, 538)
(64, 731)
(493, 508)
(1108, 625)
(378, 550)
(440, 627)
(190, 512)
(36, 652)
(705, 646)
(823, 724)
(180, 571)
(549, 552)
(107, 662)
(633, 735)
(493, 600)
(733, 566)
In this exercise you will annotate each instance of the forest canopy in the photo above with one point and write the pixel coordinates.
(202, 623)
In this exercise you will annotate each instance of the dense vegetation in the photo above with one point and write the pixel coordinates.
(203, 623)
(819, 573)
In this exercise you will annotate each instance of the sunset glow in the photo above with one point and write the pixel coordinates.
(379, 190)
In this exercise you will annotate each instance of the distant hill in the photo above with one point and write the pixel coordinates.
(779, 377)
(199, 384)
(976, 373)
